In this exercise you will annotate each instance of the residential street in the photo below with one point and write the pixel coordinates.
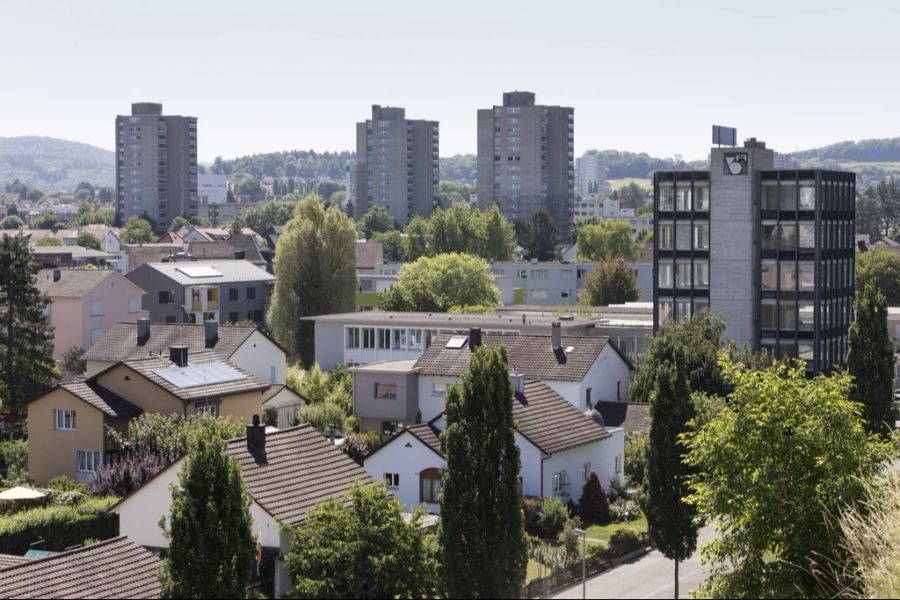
(650, 576)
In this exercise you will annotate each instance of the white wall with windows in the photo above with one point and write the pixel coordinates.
(563, 471)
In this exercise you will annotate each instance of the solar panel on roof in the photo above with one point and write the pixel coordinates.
(199, 271)
(197, 375)
(456, 342)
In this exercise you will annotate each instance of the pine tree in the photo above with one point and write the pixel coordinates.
(870, 360)
(670, 520)
(26, 337)
(481, 529)
(211, 541)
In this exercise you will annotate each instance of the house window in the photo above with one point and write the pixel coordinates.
(134, 305)
(399, 339)
(170, 319)
(232, 294)
(209, 407)
(539, 294)
(353, 337)
(586, 471)
(618, 464)
(97, 308)
(430, 485)
(65, 420)
(439, 389)
(565, 293)
(392, 480)
(415, 339)
(385, 391)
(384, 339)
(96, 334)
(251, 293)
(389, 427)
(587, 398)
(560, 483)
(233, 317)
(368, 338)
(88, 461)
(166, 297)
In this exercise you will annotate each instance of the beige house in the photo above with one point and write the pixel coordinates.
(66, 426)
(86, 303)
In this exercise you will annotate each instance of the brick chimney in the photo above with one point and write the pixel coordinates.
(143, 331)
(211, 332)
(474, 338)
(556, 334)
(256, 439)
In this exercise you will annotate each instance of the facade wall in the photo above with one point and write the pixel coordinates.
(262, 357)
(402, 408)
(143, 393)
(52, 452)
(603, 457)
(153, 282)
(431, 403)
(118, 296)
(408, 457)
(65, 315)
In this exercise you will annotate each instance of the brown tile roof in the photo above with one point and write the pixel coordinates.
(302, 469)
(141, 254)
(369, 254)
(115, 568)
(530, 355)
(146, 367)
(101, 398)
(428, 434)
(9, 560)
(73, 283)
(276, 388)
(551, 422)
(120, 341)
(217, 249)
(631, 416)
(170, 237)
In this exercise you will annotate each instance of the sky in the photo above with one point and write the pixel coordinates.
(273, 75)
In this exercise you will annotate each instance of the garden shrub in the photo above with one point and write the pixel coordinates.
(623, 541)
(594, 504)
(531, 507)
(552, 517)
(13, 462)
(120, 478)
(59, 526)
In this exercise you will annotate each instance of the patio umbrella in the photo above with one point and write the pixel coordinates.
(21, 493)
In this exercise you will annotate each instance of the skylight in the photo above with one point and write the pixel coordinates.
(197, 375)
(195, 272)
(456, 342)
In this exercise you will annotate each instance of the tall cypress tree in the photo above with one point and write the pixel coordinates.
(670, 520)
(482, 532)
(870, 360)
(26, 337)
(211, 541)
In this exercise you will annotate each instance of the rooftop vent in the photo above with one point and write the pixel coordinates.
(556, 335)
(474, 338)
(179, 355)
(256, 439)
(143, 331)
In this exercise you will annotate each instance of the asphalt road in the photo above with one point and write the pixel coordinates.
(650, 576)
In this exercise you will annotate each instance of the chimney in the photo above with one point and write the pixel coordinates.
(57, 273)
(179, 355)
(256, 439)
(143, 331)
(518, 382)
(474, 338)
(211, 329)
(556, 334)
(240, 254)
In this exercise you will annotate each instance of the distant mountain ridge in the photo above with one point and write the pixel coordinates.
(54, 165)
(872, 150)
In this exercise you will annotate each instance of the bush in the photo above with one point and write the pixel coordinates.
(552, 517)
(570, 540)
(58, 526)
(594, 504)
(64, 483)
(13, 462)
(636, 446)
(623, 541)
(322, 415)
(120, 478)
(169, 435)
(616, 490)
(359, 445)
(531, 507)
(624, 509)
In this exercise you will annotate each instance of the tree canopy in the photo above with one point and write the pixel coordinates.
(259, 217)
(138, 230)
(539, 237)
(880, 268)
(441, 283)
(376, 220)
(610, 238)
(611, 282)
(86, 239)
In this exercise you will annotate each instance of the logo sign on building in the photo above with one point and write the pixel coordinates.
(724, 136)
(735, 163)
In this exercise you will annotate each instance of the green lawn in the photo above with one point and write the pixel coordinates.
(602, 532)
(535, 570)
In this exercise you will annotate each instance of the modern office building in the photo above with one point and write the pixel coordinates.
(396, 164)
(590, 174)
(156, 165)
(526, 159)
(771, 250)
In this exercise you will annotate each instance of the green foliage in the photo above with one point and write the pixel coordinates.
(415, 244)
(452, 192)
(92, 212)
(178, 222)
(392, 242)
(594, 505)
(323, 416)
(880, 268)
(294, 163)
(699, 340)
(551, 517)
(609, 238)
(483, 547)
(625, 541)
(869, 217)
(13, 462)
(670, 520)
(611, 282)
(360, 445)
(53, 164)
(46, 220)
(461, 228)
(59, 525)
(259, 217)
(362, 547)
(459, 167)
(632, 195)
(439, 283)
(315, 263)
(137, 231)
(210, 511)
(637, 447)
(48, 241)
(12, 222)
(199, 221)
(376, 220)
(249, 190)
(87, 239)
(170, 436)
(774, 468)
(72, 362)
(539, 237)
(870, 360)
(27, 369)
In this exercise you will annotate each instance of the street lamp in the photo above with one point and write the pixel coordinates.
(583, 535)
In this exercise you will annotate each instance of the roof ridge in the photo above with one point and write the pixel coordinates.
(70, 552)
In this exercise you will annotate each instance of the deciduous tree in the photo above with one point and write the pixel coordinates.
(610, 238)
(880, 268)
(441, 283)
(539, 237)
(611, 282)
(137, 231)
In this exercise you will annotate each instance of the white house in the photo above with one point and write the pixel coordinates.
(558, 446)
(287, 474)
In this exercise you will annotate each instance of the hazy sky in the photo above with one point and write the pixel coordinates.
(643, 76)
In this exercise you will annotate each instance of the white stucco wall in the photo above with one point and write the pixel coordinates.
(531, 459)
(432, 404)
(602, 456)
(408, 457)
(259, 355)
(139, 514)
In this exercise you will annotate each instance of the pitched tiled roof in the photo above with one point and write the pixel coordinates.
(530, 355)
(631, 416)
(229, 271)
(147, 367)
(428, 434)
(120, 341)
(101, 399)
(551, 422)
(277, 388)
(72, 283)
(369, 254)
(115, 568)
(9, 560)
(301, 470)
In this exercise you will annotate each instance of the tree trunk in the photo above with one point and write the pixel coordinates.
(676, 580)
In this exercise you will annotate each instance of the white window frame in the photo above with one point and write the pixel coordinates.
(87, 461)
(392, 480)
(64, 420)
(586, 471)
(97, 308)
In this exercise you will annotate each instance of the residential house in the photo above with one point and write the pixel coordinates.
(630, 416)
(217, 290)
(558, 447)
(244, 345)
(369, 255)
(287, 474)
(203, 234)
(285, 402)
(113, 568)
(86, 303)
(106, 235)
(140, 254)
(170, 237)
(67, 425)
(77, 257)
